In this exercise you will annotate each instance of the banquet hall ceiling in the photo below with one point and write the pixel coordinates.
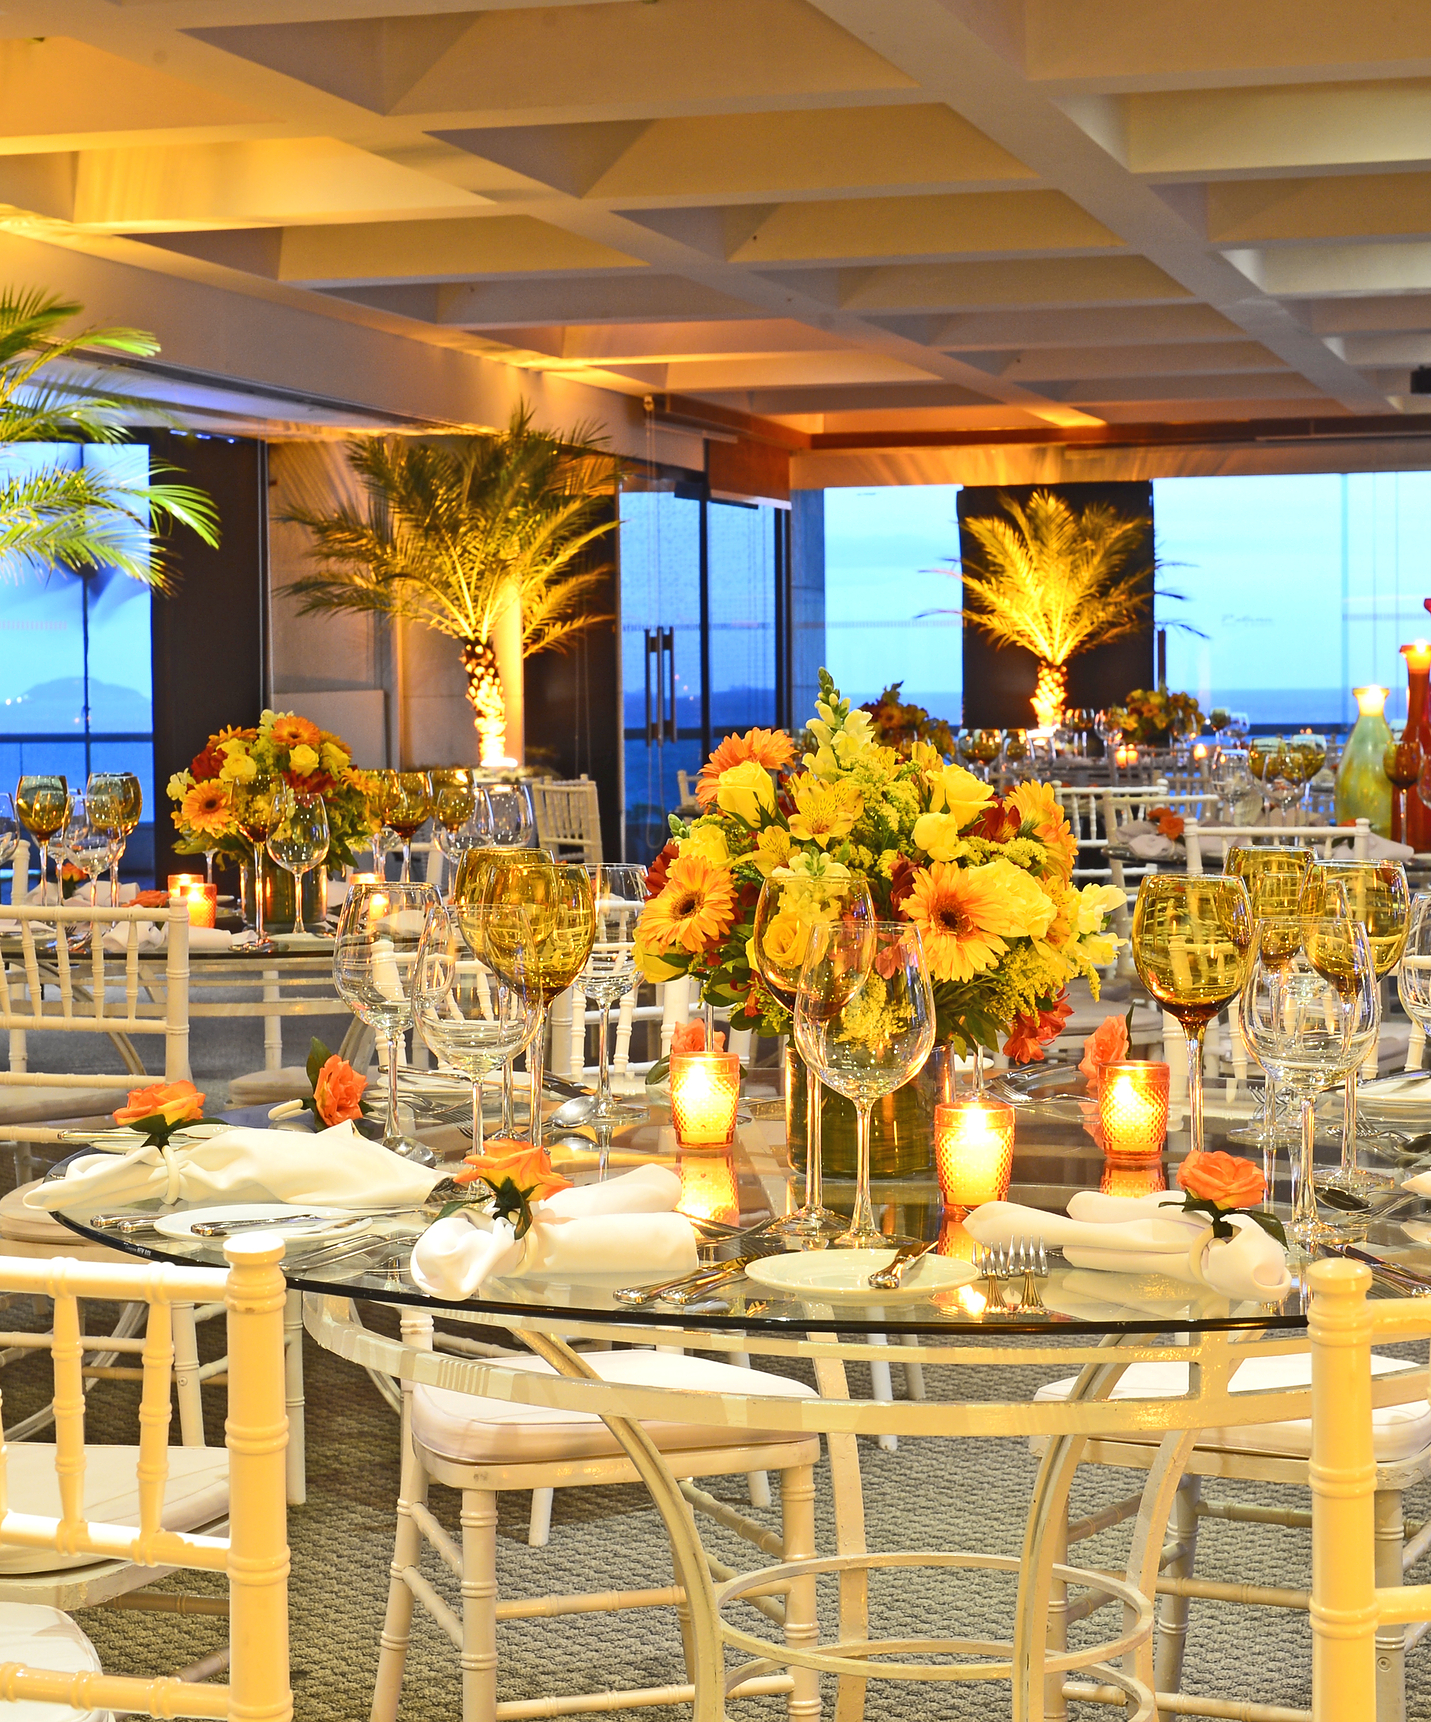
(854, 215)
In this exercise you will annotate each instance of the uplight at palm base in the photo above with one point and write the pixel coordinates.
(973, 1151)
(705, 1089)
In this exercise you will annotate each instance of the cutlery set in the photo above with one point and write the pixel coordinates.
(696, 1288)
(1026, 1260)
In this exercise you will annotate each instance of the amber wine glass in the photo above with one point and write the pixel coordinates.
(1192, 945)
(792, 908)
(409, 804)
(1374, 893)
(43, 803)
(106, 795)
(467, 890)
(534, 922)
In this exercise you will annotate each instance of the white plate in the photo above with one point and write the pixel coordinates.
(122, 1140)
(181, 1225)
(843, 1276)
(1404, 1098)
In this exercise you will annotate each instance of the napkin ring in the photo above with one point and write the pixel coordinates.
(171, 1169)
(1197, 1254)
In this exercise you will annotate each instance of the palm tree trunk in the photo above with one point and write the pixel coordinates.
(484, 694)
(1049, 693)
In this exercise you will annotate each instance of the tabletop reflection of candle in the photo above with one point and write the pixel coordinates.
(1133, 1109)
(973, 1151)
(705, 1087)
(188, 890)
(708, 1186)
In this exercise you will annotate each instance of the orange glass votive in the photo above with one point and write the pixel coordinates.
(705, 1088)
(973, 1151)
(708, 1186)
(1133, 1109)
(201, 900)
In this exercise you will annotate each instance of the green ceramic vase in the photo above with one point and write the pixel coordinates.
(1363, 789)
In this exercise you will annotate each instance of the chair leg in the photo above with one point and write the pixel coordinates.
(1390, 1640)
(913, 1373)
(882, 1388)
(539, 1526)
(295, 1458)
(407, 1549)
(186, 1376)
(758, 1482)
(802, 1624)
(1172, 1628)
(479, 1605)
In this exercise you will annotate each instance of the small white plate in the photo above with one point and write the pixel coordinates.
(1404, 1098)
(330, 1220)
(843, 1276)
(122, 1140)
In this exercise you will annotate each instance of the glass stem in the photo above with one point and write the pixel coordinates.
(406, 873)
(509, 1115)
(603, 1080)
(44, 865)
(536, 1071)
(477, 1144)
(298, 928)
(209, 866)
(1269, 1134)
(113, 882)
(978, 1070)
(862, 1221)
(1194, 1036)
(1306, 1221)
(814, 1118)
(392, 1136)
(258, 894)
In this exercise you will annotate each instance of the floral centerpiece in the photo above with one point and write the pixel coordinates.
(312, 760)
(986, 879)
(1153, 715)
(901, 725)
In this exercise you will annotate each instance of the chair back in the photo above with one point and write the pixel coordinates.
(1195, 834)
(1347, 1604)
(254, 1554)
(96, 991)
(568, 818)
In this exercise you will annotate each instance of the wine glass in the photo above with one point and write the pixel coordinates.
(9, 837)
(467, 889)
(619, 895)
(408, 806)
(374, 951)
(43, 803)
(107, 796)
(462, 820)
(1310, 1010)
(1376, 894)
(1192, 942)
(87, 839)
(538, 919)
(470, 1019)
(1413, 977)
(513, 813)
(253, 808)
(791, 908)
(864, 1020)
(297, 839)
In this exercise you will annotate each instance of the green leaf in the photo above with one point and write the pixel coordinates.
(318, 1056)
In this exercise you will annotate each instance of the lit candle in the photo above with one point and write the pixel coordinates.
(1133, 1109)
(705, 1087)
(362, 879)
(188, 890)
(1126, 755)
(973, 1151)
(708, 1186)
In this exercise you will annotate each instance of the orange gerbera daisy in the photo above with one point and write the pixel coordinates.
(960, 912)
(694, 909)
(771, 748)
(208, 807)
(1037, 805)
(289, 730)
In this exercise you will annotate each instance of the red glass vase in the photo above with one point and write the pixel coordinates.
(1417, 735)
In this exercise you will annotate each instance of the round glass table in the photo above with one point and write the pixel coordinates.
(1091, 1323)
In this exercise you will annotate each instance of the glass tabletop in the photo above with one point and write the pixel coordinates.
(754, 1181)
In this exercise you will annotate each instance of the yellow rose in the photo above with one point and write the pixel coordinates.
(959, 793)
(786, 941)
(707, 841)
(1028, 909)
(303, 760)
(335, 761)
(937, 834)
(746, 791)
(654, 967)
(238, 767)
(1095, 902)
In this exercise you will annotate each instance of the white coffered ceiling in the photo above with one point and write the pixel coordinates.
(855, 215)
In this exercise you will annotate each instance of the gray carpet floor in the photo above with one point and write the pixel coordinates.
(968, 1494)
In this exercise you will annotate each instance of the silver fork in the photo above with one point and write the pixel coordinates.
(1033, 1258)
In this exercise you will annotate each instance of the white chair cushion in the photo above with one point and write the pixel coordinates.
(473, 1430)
(196, 1493)
(21, 1103)
(19, 1224)
(1399, 1432)
(44, 1638)
(258, 1086)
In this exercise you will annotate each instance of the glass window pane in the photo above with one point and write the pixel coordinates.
(741, 563)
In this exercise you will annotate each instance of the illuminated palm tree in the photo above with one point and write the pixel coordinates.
(457, 531)
(82, 517)
(1057, 583)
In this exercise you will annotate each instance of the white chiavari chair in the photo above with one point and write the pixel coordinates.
(1321, 837)
(568, 818)
(82, 1525)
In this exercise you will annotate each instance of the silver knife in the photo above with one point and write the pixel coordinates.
(688, 1285)
(225, 1228)
(888, 1277)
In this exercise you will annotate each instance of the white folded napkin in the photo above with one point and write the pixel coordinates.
(99, 893)
(1378, 848)
(1150, 846)
(336, 1167)
(1139, 1235)
(624, 1226)
(1420, 1185)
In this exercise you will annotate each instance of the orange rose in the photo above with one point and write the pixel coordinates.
(149, 900)
(691, 1037)
(1108, 1044)
(174, 1102)
(1225, 1179)
(338, 1092)
(528, 1169)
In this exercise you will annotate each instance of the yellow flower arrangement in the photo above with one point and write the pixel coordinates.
(986, 880)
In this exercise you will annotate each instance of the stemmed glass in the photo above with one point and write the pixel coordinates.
(462, 820)
(467, 890)
(864, 1019)
(513, 813)
(791, 908)
(408, 805)
(619, 895)
(470, 1019)
(253, 808)
(297, 840)
(43, 803)
(374, 951)
(1374, 893)
(115, 801)
(1192, 944)
(1310, 1010)
(535, 919)
(9, 837)
(1413, 977)
(88, 840)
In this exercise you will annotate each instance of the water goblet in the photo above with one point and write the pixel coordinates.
(253, 809)
(374, 951)
(619, 895)
(1413, 974)
(512, 812)
(407, 806)
(297, 839)
(108, 799)
(864, 1021)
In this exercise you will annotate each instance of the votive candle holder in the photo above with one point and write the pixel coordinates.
(1133, 1109)
(973, 1151)
(705, 1090)
(189, 891)
(709, 1190)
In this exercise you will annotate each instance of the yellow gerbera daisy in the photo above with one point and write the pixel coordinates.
(208, 808)
(958, 911)
(824, 811)
(694, 910)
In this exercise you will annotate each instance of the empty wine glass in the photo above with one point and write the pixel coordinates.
(513, 813)
(374, 951)
(253, 809)
(864, 1021)
(1413, 977)
(108, 797)
(469, 1017)
(88, 841)
(297, 839)
(462, 820)
(1309, 1011)
(619, 894)
(9, 837)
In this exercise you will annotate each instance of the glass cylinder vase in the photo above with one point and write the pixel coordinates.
(1416, 740)
(276, 884)
(901, 1124)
